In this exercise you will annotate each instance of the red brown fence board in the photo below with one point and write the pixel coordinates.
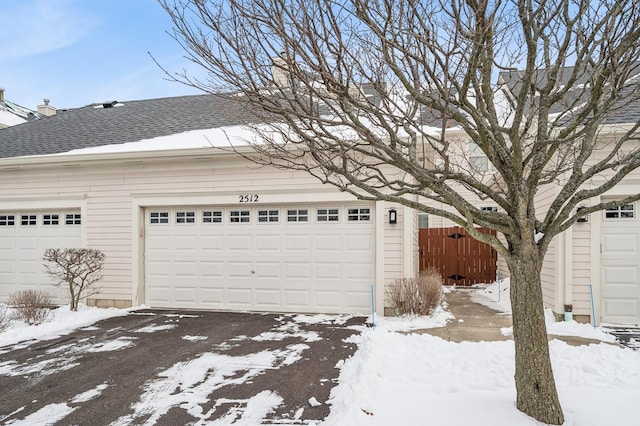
(461, 259)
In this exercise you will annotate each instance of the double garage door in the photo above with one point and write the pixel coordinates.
(24, 236)
(290, 258)
(620, 255)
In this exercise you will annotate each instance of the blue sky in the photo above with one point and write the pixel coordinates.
(77, 52)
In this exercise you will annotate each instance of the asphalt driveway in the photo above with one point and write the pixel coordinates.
(177, 368)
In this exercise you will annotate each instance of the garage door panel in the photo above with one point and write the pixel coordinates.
(157, 244)
(358, 299)
(328, 300)
(297, 298)
(239, 269)
(328, 243)
(622, 311)
(270, 266)
(29, 243)
(159, 268)
(211, 244)
(239, 296)
(328, 270)
(297, 270)
(617, 242)
(7, 244)
(625, 277)
(238, 243)
(268, 243)
(185, 294)
(185, 243)
(211, 269)
(360, 243)
(268, 298)
(21, 250)
(159, 293)
(297, 243)
(212, 295)
(185, 268)
(359, 271)
(620, 269)
(7, 267)
(268, 269)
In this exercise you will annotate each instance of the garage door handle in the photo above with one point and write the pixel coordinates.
(253, 272)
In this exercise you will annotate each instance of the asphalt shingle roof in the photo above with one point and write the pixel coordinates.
(625, 110)
(94, 125)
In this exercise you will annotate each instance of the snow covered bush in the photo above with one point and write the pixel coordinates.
(77, 268)
(415, 296)
(31, 306)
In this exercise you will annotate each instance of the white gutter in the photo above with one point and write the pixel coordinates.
(106, 157)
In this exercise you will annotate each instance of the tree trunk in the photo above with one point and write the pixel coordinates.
(535, 385)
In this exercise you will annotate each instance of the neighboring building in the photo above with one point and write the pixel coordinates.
(597, 259)
(12, 114)
(184, 225)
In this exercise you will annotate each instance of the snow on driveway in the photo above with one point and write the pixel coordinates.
(395, 378)
(236, 381)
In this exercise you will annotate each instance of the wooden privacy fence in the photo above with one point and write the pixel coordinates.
(461, 259)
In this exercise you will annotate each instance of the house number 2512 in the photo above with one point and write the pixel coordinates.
(248, 198)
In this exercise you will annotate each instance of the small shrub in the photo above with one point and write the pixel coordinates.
(416, 296)
(79, 269)
(5, 316)
(31, 306)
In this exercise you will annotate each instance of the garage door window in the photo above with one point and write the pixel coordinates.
(212, 216)
(623, 212)
(7, 220)
(328, 215)
(359, 215)
(28, 220)
(159, 217)
(50, 219)
(268, 215)
(239, 216)
(297, 215)
(72, 219)
(186, 217)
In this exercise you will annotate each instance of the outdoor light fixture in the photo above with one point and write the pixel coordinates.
(393, 216)
(584, 218)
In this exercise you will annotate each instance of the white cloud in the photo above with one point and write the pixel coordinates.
(33, 27)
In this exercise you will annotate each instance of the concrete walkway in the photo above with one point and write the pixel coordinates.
(477, 323)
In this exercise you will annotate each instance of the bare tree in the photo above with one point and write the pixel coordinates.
(349, 88)
(77, 268)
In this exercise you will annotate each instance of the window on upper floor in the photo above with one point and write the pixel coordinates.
(478, 160)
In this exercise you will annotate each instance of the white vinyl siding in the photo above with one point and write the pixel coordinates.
(110, 193)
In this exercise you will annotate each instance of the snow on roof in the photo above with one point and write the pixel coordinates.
(8, 118)
(193, 139)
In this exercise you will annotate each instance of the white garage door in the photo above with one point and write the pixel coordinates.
(276, 258)
(621, 265)
(24, 236)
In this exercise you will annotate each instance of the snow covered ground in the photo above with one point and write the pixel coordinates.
(405, 378)
(417, 379)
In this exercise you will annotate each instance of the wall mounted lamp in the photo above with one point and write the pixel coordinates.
(393, 216)
(584, 218)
